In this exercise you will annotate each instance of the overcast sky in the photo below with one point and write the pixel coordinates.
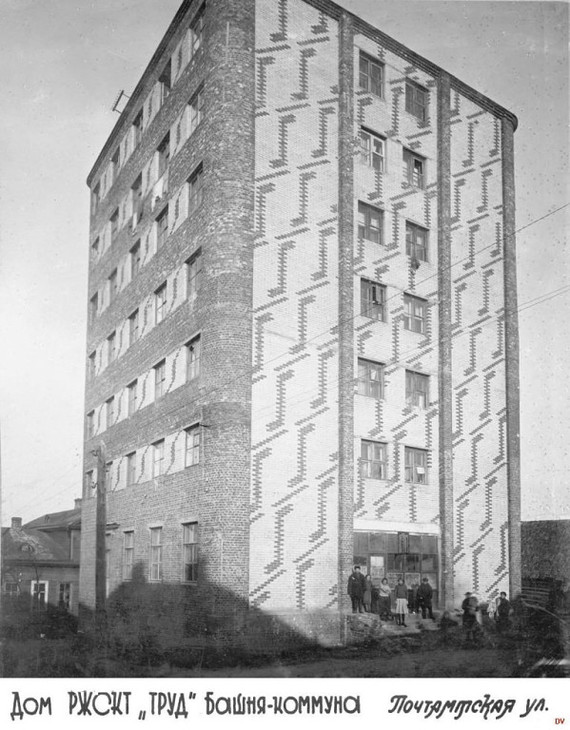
(63, 63)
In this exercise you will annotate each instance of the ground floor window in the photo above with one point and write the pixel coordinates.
(64, 600)
(39, 590)
(11, 590)
(393, 555)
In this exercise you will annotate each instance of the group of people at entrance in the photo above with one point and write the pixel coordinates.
(361, 592)
(397, 603)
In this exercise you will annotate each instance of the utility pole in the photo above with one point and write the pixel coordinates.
(100, 527)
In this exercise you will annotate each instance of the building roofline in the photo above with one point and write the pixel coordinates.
(134, 98)
(336, 12)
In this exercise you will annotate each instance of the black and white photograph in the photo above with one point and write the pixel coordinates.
(284, 287)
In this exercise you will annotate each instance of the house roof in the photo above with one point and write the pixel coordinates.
(21, 545)
(56, 520)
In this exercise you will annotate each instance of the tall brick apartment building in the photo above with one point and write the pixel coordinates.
(302, 345)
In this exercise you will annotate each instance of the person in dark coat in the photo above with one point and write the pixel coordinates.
(469, 608)
(355, 589)
(425, 597)
(367, 598)
(503, 613)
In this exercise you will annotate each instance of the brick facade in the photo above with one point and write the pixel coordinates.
(351, 206)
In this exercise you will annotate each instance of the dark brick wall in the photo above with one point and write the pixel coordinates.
(214, 493)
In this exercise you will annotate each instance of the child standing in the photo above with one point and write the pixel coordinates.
(401, 595)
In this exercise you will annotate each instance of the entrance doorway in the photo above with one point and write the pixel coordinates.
(392, 555)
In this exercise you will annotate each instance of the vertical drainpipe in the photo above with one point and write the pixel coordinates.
(511, 356)
(345, 312)
(445, 353)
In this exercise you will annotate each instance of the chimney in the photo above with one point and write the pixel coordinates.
(16, 523)
(77, 503)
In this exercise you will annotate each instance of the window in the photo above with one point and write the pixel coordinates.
(135, 256)
(370, 222)
(417, 389)
(11, 591)
(193, 358)
(415, 169)
(373, 460)
(137, 129)
(93, 306)
(416, 465)
(157, 458)
(159, 379)
(64, 599)
(190, 552)
(91, 365)
(416, 100)
(114, 225)
(113, 286)
(128, 554)
(193, 275)
(415, 314)
(111, 349)
(162, 228)
(136, 200)
(134, 327)
(196, 32)
(155, 553)
(95, 198)
(160, 303)
(90, 482)
(372, 149)
(416, 241)
(95, 248)
(370, 378)
(195, 185)
(192, 456)
(39, 590)
(90, 424)
(132, 394)
(165, 81)
(131, 468)
(195, 105)
(371, 75)
(110, 411)
(372, 300)
(115, 164)
(163, 155)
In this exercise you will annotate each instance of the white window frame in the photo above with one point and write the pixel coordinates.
(417, 239)
(372, 300)
(415, 315)
(370, 378)
(160, 299)
(190, 552)
(415, 464)
(33, 594)
(128, 554)
(192, 445)
(370, 223)
(416, 394)
(158, 452)
(417, 100)
(159, 379)
(372, 149)
(373, 459)
(193, 356)
(366, 81)
(155, 555)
